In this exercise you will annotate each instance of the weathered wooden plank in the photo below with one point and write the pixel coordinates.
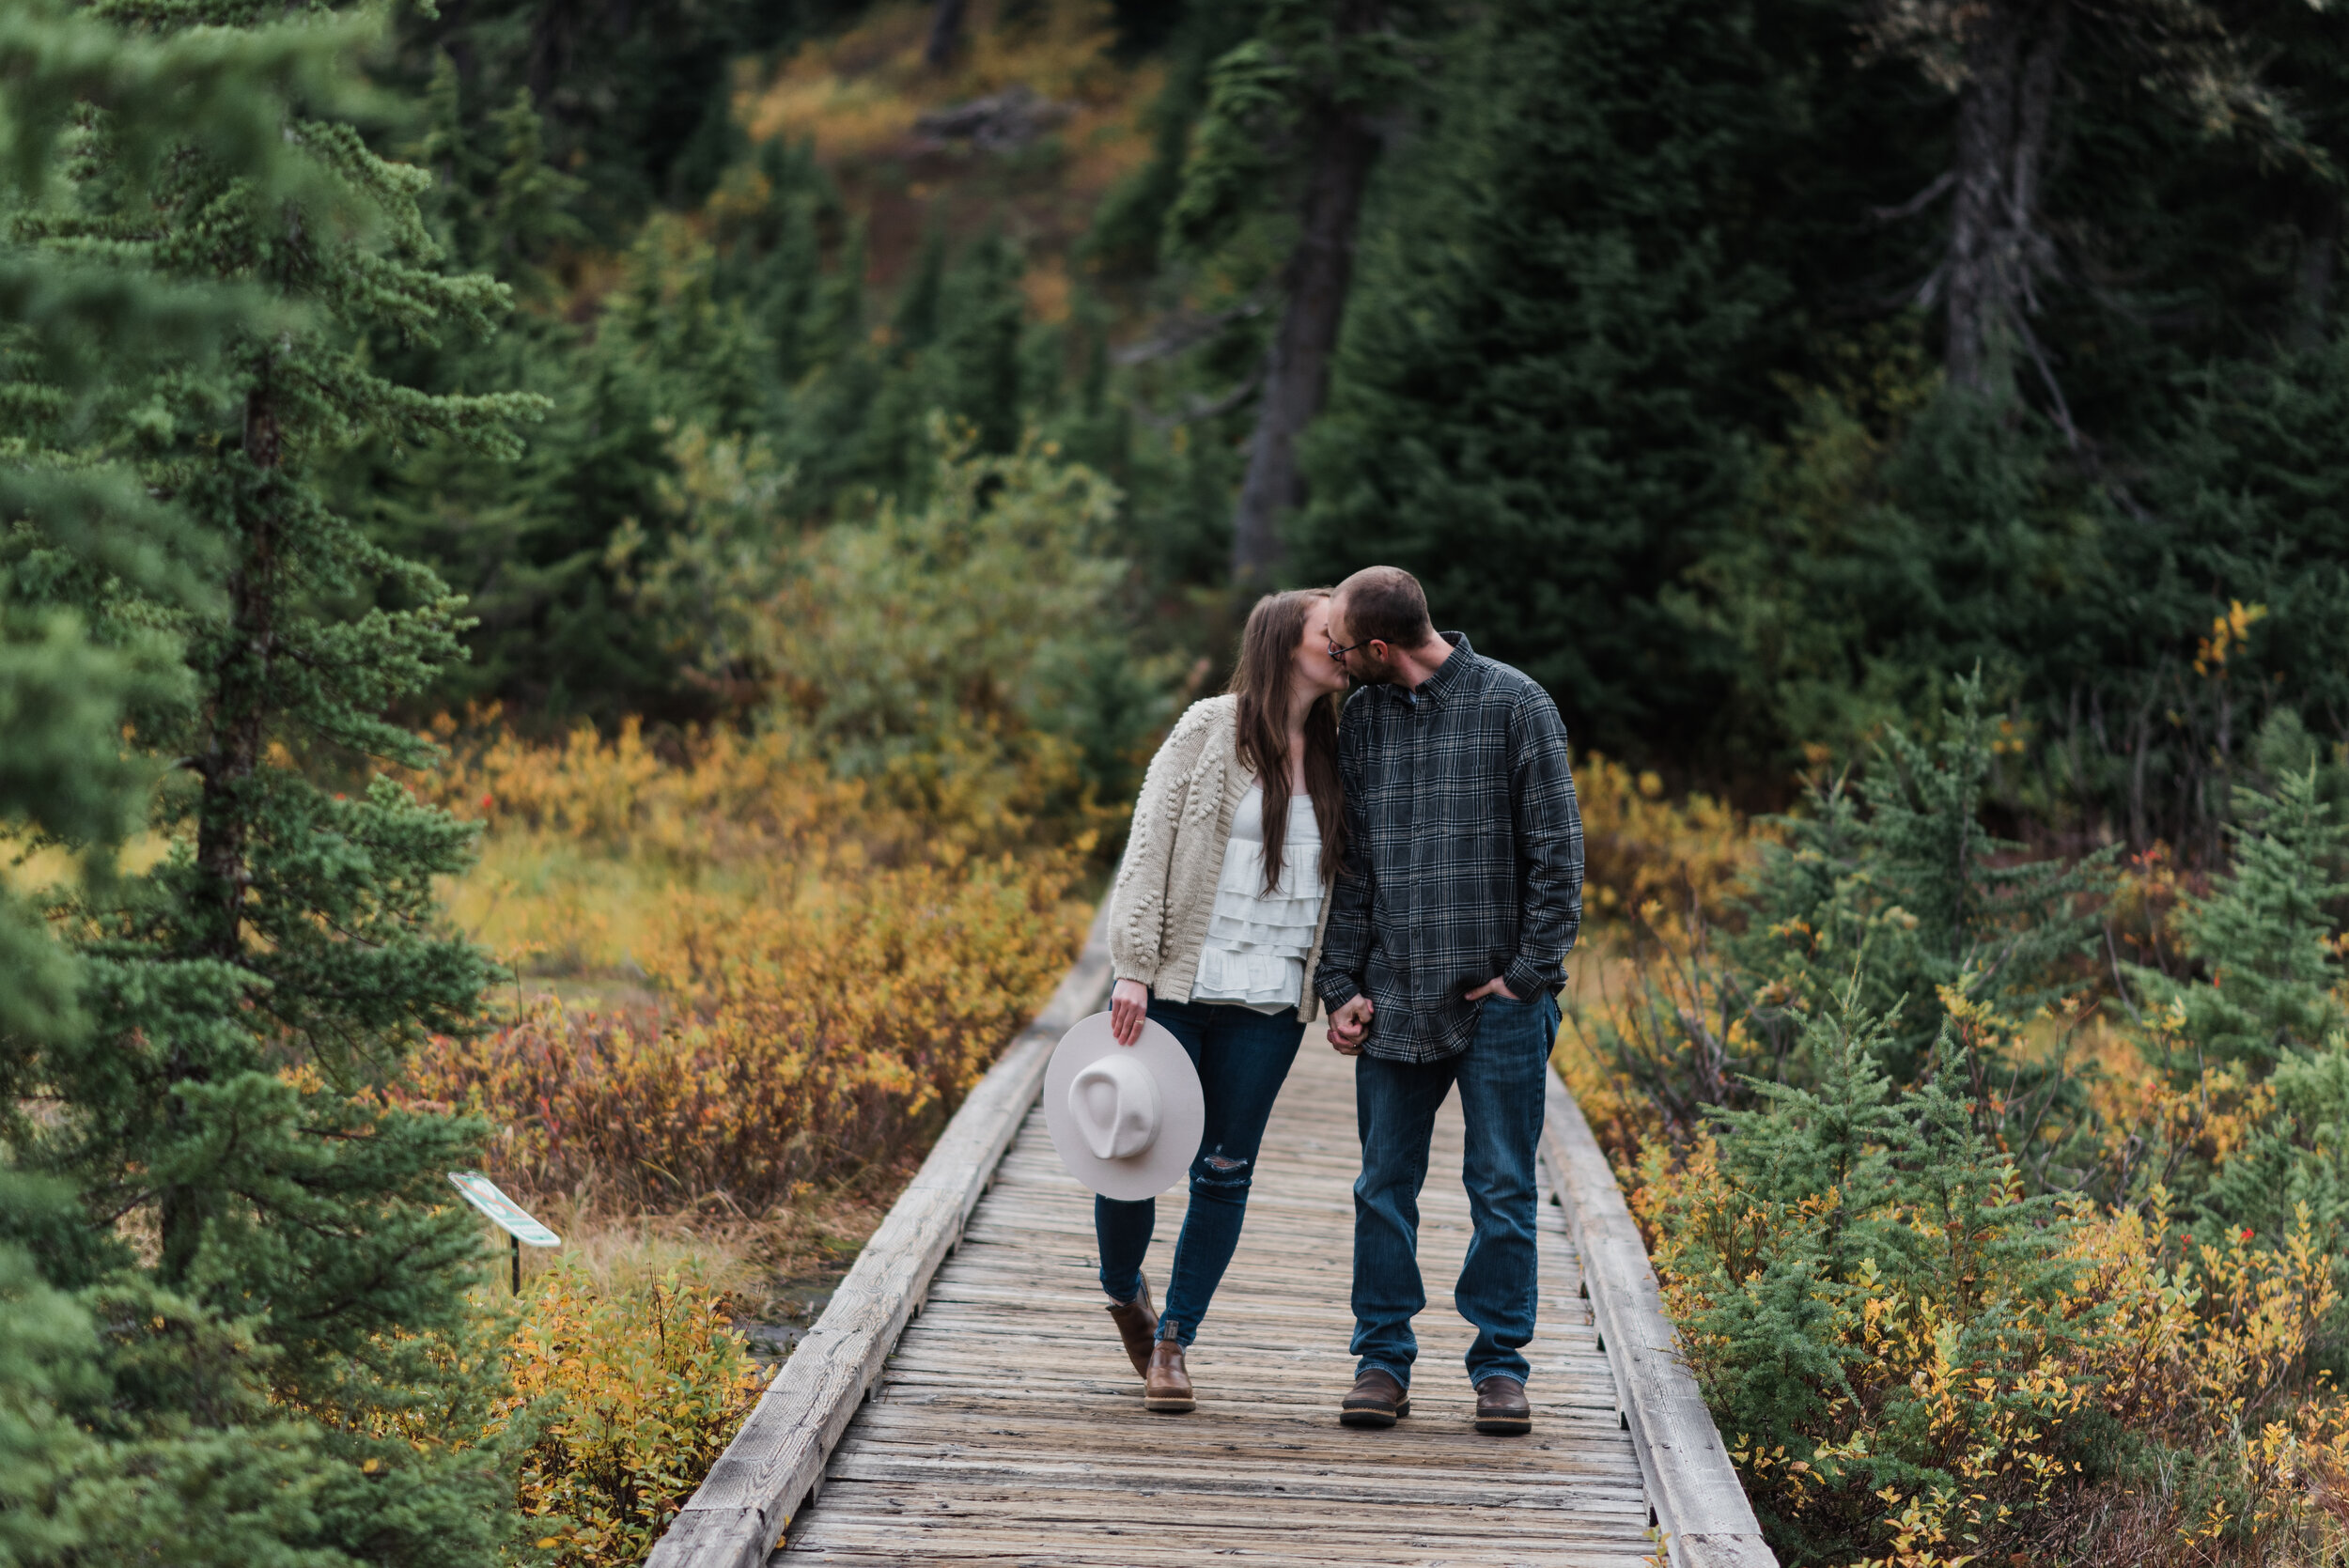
(921, 1533)
(1587, 1457)
(1700, 1505)
(1308, 1540)
(1296, 1552)
(777, 1458)
(1070, 1474)
(1037, 1508)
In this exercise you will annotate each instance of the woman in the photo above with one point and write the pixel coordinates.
(1215, 924)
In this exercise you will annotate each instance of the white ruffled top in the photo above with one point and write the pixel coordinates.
(1257, 943)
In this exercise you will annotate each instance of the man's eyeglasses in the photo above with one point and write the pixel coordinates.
(1339, 653)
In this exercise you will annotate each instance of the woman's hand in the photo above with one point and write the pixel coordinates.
(1129, 1003)
(1350, 1025)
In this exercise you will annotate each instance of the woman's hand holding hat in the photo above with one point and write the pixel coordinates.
(1125, 1120)
(1129, 1004)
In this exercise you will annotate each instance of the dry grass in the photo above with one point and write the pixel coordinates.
(775, 1268)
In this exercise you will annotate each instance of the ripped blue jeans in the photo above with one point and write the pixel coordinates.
(1242, 1057)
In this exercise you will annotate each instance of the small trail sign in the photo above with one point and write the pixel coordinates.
(509, 1216)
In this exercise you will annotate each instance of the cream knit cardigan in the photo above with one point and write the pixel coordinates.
(1165, 888)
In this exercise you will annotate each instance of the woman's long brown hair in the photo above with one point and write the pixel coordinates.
(1267, 671)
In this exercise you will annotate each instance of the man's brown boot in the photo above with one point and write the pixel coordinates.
(1166, 1386)
(1377, 1400)
(1138, 1326)
(1502, 1409)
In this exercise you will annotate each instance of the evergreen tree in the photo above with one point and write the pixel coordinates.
(1833, 1204)
(2265, 939)
(1129, 226)
(290, 1371)
(1902, 899)
(1891, 898)
(526, 541)
(1973, 919)
(978, 361)
(1573, 305)
(637, 95)
(2297, 1155)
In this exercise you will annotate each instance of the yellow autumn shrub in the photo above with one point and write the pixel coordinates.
(631, 1393)
(1957, 1392)
(1639, 846)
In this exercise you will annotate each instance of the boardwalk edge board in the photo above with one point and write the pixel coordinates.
(776, 1462)
(1700, 1505)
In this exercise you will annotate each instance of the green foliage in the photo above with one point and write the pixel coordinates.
(1129, 226)
(1889, 896)
(1266, 97)
(754, 339)
(280, 1364)
(1830, 1215)
(2295, 1164)
(637, 95)
(2264, 937)
(1555, 338)
(919, 643)
(1901, 531)
(1251, 109)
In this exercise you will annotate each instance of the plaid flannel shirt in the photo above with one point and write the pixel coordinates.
(1464, 856)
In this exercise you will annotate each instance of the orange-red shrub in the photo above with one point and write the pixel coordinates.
(806, 1038)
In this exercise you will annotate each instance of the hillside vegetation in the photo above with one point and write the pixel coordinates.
(584, 591)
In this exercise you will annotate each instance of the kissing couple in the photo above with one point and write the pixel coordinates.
(1409, 859)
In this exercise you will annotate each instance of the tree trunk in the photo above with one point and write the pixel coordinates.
(233, 747)
(1997, 251)
(945, 32)
(2313, 289)
(236, 735)
(1297, 374)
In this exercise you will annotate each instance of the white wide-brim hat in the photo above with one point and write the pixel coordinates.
(1127, 1119)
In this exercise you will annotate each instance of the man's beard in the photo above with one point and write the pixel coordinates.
(1375, 671)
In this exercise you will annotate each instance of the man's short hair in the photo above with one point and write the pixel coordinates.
(1384, 604)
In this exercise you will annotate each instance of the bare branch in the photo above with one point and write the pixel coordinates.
(1198, 409)
(1917, 203)
(1184, 331)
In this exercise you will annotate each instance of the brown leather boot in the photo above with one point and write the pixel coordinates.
(1377, 1399)
(1138, 1326)
(1502, 1409)
(1166, 1386)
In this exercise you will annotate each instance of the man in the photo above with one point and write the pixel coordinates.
(1459, 898)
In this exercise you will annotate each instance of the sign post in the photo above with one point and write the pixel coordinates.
(507, 1215)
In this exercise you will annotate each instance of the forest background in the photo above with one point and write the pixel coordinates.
(584, 587)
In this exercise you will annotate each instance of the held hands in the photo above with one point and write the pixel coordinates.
(1350, 1026)
(1129, 1003)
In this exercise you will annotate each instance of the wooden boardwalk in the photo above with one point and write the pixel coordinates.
(1004, 1425)
(1008, 1427)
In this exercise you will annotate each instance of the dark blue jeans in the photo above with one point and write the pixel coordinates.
(1501, 1085)
(1242, 1057)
